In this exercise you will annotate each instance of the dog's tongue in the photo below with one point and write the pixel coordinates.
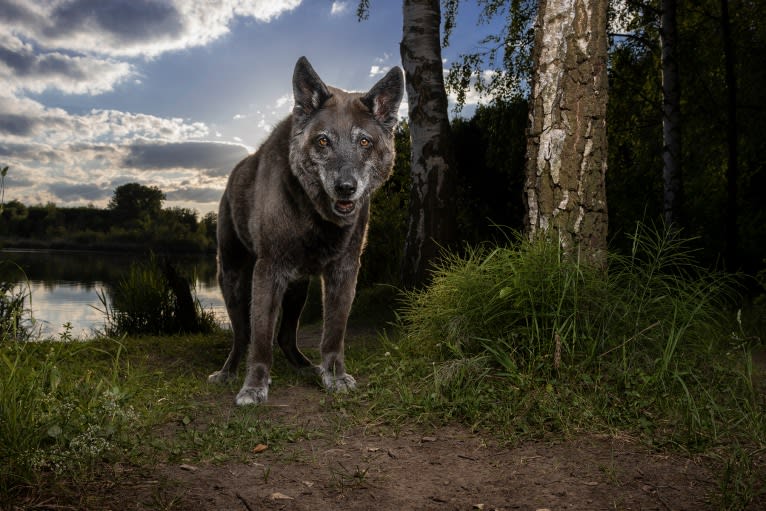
(344, 206)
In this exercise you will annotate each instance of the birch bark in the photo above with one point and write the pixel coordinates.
(565, 188)
(432, 213)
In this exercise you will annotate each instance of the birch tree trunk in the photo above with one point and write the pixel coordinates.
(432, 212)
(671, 116)
(565, 188)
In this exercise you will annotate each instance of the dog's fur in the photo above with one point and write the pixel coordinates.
(298, 207)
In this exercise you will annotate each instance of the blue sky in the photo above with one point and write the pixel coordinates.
(172, 93)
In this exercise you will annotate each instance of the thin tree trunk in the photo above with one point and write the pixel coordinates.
(732, 168)
(432, 213)
(565, 188)
(671, 116)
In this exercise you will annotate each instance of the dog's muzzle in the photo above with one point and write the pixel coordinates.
(345, 188)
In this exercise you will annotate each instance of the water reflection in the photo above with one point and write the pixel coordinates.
(65, 285)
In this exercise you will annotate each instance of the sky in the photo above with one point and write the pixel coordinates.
(172, 93)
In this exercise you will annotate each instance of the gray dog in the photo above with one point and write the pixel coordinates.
(298, 207)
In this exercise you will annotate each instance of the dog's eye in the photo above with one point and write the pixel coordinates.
(323, 141)
(365, 142)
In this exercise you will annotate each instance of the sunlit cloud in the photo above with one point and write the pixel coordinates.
(21, 68)
(338, 8)
(132, 27)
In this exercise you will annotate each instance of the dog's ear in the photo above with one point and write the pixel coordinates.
(384, 98)
(309, 90)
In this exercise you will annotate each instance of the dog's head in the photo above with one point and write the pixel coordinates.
(342, 146)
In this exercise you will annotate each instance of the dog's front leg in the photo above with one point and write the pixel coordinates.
(268, 289)
(338, 289)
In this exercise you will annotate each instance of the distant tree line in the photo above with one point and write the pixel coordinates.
(134, 219)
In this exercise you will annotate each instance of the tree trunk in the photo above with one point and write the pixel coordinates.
(566, 144)
(732, 168)
(671, 116)
(432, 212)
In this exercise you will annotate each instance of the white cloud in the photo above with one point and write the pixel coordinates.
(22, 69)
(376, 70)
(81, 158)
(131, 27)
(283, 101)
(338, 8)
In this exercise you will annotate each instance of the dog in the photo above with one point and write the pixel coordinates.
(297, 207)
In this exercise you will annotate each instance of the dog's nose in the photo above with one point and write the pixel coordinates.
(345, 188)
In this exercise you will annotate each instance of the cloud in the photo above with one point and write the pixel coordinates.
(22, 68)
(131, 27)
(338, 8)
(213, 156)
(376, 70)
(75, 192)
(202, 195)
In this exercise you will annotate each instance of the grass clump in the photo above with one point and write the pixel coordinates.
(528, 340)
(153, 299)
(16, 322)
(52, 423)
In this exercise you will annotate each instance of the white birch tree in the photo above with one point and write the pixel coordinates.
(565, 188)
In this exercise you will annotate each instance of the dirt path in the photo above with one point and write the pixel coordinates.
(441, 470)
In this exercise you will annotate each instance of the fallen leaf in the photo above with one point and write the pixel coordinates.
(260, 448)
(280, 496)
(189, 468)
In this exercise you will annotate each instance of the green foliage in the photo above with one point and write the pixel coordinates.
(634, 179)
(532, 341)
(51, 422)
(15, 316)
(381, 261)
(134, 202)
(144, 302)
(501, 67)
(69, 409)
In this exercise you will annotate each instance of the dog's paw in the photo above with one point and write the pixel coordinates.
(252, 396)
(338, 382)
(220, 377)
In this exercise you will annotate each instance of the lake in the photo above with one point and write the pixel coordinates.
(65, 285)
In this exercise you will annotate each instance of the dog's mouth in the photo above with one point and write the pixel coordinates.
(344, 207)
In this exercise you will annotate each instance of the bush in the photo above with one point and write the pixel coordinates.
(153, 300)
(646, 344)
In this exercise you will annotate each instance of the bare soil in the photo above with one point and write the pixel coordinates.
(444, 469)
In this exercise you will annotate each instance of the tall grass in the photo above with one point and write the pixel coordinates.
(51, 422)
(144, 302)
(533, 339)
(16, 323)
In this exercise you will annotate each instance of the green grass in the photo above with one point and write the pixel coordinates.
(525, 341)
(66, 408)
